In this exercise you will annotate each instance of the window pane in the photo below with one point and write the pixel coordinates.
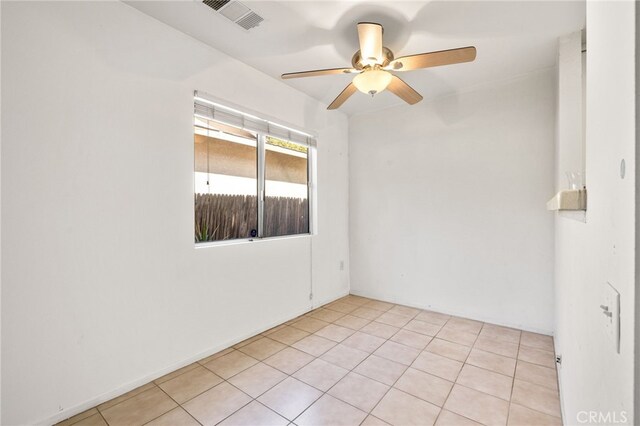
(286, 204)
(225, 190)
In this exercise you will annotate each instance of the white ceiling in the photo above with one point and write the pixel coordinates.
(511, 37)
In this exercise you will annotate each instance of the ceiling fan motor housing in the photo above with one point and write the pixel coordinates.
(387, 57)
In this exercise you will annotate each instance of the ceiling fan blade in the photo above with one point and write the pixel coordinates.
(404, 91)
(433, 59)
(343, 96)
(315, 73)
(370, 36)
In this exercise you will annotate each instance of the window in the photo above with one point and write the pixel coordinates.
(286, 189)
(251, 176)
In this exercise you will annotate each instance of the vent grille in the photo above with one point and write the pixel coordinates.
(215, 4)
(250, 20)
(236, 12)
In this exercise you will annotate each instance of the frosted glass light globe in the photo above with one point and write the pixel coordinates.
(372, 81)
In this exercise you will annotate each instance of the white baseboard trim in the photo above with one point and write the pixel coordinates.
(121, 390)
(489, 320)
(563, 413)
(329, 300)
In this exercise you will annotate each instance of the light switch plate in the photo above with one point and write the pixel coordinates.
(611, 316)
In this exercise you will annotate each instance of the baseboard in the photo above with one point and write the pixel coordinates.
(560, 392)
(456, 313)
(330, 299)
(77, 409)
(107, 396)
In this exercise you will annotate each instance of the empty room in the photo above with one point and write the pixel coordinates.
(317, 212)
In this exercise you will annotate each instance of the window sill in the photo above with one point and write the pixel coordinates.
(248, 241)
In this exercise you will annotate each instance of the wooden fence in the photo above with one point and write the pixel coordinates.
(225, 217)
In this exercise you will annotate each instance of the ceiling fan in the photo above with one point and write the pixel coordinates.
(373, 64)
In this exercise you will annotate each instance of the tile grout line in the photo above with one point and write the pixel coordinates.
(352, 371)
(513, 378)
(276, 384)
(348, 371)
(454, 383)
(252, 399)
(100, 414)
(179, 406)
(197, 362)
(354, 331)
(410, 366)
(513, 382)
(463, 363)
(84, 418)
(396, 381)
(240, 390)
(323, 393)
(208, 389)
(100, 410)
(407, 367)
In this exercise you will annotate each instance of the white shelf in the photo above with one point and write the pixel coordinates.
(572, 199)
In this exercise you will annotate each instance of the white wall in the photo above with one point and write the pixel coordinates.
(447, 204)
(102, 287)
(593, 377)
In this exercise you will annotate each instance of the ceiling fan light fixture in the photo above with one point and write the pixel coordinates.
(372, 81)
(374, 61)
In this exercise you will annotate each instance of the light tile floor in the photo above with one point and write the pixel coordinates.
(356, 361)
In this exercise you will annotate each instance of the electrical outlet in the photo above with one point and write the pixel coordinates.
(610, 311)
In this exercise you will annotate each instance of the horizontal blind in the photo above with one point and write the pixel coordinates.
(231, 117)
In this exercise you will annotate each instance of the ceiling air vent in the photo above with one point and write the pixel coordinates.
(237, 12)
(215, 4)
(250, 20)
